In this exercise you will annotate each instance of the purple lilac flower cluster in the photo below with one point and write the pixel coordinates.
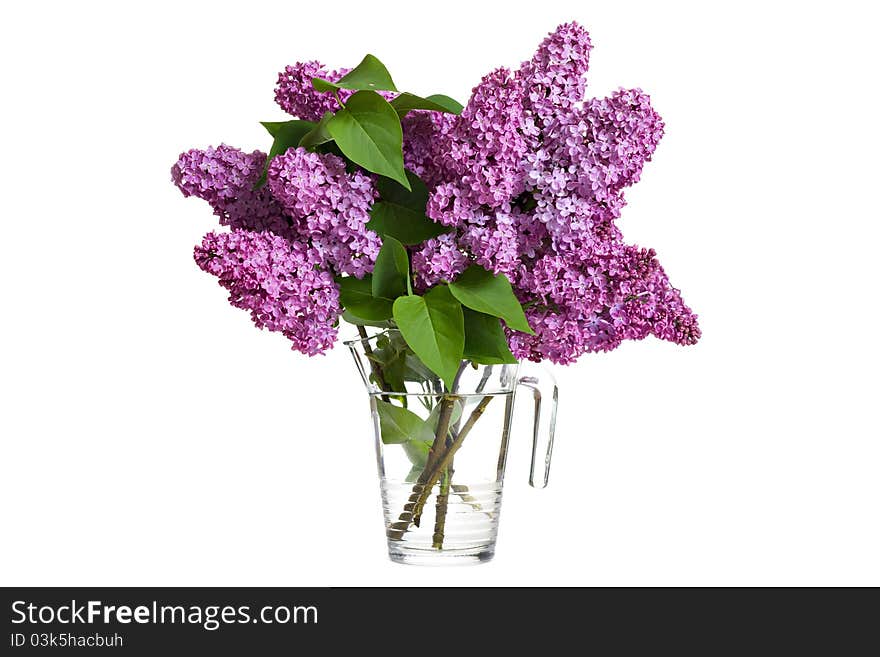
(529, 177)
(554, 79)
(330, 206)
(295, 94)
(593, 303)
(278, 281)
(225, 178)
(311, 206)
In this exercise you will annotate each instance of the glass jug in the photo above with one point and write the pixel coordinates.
(441, 452)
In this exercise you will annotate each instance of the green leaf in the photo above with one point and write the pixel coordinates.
(369, 74)
(286, 134)
(433, 327)
(396, 424)
(406, 102)
(351, 318)
(414, 472)
(418, 448)
(392, 353)
(406, 226)
(451, 105)
(414, 197)
(484, 339)
(415, 370)
(401, 213)
(356, 296)
(318, 134)
(367, 130)
(387, 349)
(393, 371)
(392, 360)
(488, 293)
(391, 271)
(429, 427)
(282, 129)
(417, 453)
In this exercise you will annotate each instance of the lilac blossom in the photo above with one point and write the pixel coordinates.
(295, 94)
(331, 206)
(424, 134)
(532, 183)
(483, 147)
(586, 304)
(278, 282)
(554, 79)
(493, 241)
(438, 259)
(225, 178)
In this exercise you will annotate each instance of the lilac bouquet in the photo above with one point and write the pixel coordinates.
(481, 234)
(376, 205)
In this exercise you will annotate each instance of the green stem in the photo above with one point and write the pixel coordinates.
(374, 366)
(447, 404)
(447, 457)
(462, 490)
(412, 510)
(442, 507)
(397, 529)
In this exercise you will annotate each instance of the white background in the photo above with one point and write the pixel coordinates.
(152, 436)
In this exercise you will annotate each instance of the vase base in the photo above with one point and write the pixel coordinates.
(441, 557)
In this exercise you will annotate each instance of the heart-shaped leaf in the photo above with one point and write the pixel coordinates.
(415, 370)
(484, 339)
(356, 296)
(433, 327)
(391, 271)
(429, 427)
(407, 102)
(401, 213)
(415, 197)
(351, 318)
(414, 472)
(492, 294)
(450, 104)
(401, 223)
(397, 425)
(318, 134)
(369, 74)
(418, 449)
(393, 375)
(417, 452)
(286, 134)
(367, 130)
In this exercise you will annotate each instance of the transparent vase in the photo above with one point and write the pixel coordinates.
(441, 451)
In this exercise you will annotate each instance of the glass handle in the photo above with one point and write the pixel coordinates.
(544, 392)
